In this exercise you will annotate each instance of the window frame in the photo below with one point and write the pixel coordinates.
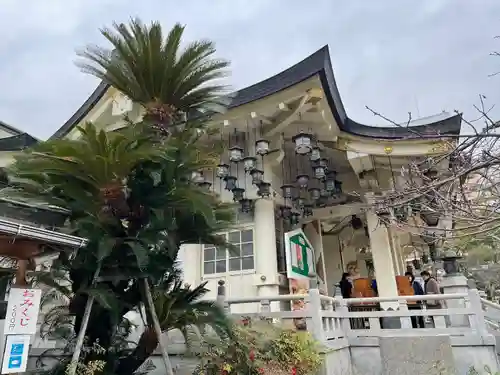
(228, 256)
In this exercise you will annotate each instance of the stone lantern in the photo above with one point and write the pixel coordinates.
(450, 262)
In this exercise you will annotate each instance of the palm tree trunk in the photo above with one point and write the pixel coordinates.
(157, 328)
(83, 329)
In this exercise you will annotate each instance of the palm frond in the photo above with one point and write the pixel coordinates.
(148, 66)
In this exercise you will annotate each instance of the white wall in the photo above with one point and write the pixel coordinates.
(238, 283)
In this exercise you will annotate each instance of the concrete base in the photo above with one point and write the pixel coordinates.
(417, 355)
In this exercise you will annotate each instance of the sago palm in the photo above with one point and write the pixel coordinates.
(178, 307)
(91, 171)
(169, 80)
(130, 192)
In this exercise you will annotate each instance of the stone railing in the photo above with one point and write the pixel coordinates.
(331, 318)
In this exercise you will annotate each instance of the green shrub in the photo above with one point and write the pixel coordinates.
(487, 371)
(260, 348)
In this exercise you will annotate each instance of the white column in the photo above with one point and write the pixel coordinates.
(266, 263)
(191, 262)
(394, 251)
(313, 233)
(382, 260)
(401, 256)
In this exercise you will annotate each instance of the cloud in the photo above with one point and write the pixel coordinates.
(393, 56)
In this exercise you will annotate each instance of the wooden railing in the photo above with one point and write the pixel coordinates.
(329, 318)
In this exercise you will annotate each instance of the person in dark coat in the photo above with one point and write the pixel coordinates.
(416, 321)
(345, 286)
(431, 286)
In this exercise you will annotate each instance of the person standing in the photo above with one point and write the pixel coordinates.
(431, 287)
(345, 286)
(416, 321)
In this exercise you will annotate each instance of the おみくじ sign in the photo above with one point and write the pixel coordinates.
(23, 307)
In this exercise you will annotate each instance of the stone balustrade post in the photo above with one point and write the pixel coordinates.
(315, 320)
(478, 322)
(221, 296)
(342, 308)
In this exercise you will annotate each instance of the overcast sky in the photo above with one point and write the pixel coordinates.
(395, 56)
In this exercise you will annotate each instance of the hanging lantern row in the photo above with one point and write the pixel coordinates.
(262, 147)
(303, 143)
(237, 153)
(293, 216)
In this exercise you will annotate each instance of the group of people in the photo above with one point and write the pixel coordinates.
(430, 286)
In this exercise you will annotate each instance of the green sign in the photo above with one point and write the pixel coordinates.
(299, 255)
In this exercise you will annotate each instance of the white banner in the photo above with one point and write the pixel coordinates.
(15, 358)
(22, 311)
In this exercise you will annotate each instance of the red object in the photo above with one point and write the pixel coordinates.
(294, 371)
(252, 355)
(261, 370)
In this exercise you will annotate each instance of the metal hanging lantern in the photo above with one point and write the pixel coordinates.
(315, 193)
(230, 183)
(257, 176)
(235, 154)
(307, 210)
(295, 218)
(382, 211)
(246, 205)
(319, 172)
(249, 163)
(330, 181)
(205, 185)
(264, 189)
(315, 154)
(303, 180)
(285, 212)
(303, 143)
(262, 147)
(415, 206)
(238, 194)
(430, 217)
(222, 171)
(287, 191)
(300, 202)
(400, 213)
(431, 173)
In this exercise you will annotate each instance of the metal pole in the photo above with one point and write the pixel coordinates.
(83, 329)
(156, 323)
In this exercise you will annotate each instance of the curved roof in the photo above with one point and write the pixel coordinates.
(18, 139)
(317, 64)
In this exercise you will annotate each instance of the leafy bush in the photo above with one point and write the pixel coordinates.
(487, 371)
(259, 348)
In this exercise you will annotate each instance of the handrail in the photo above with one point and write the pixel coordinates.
(492, 323)
(279, 297)
(428, 297)
(349, 301)
(490, 304)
